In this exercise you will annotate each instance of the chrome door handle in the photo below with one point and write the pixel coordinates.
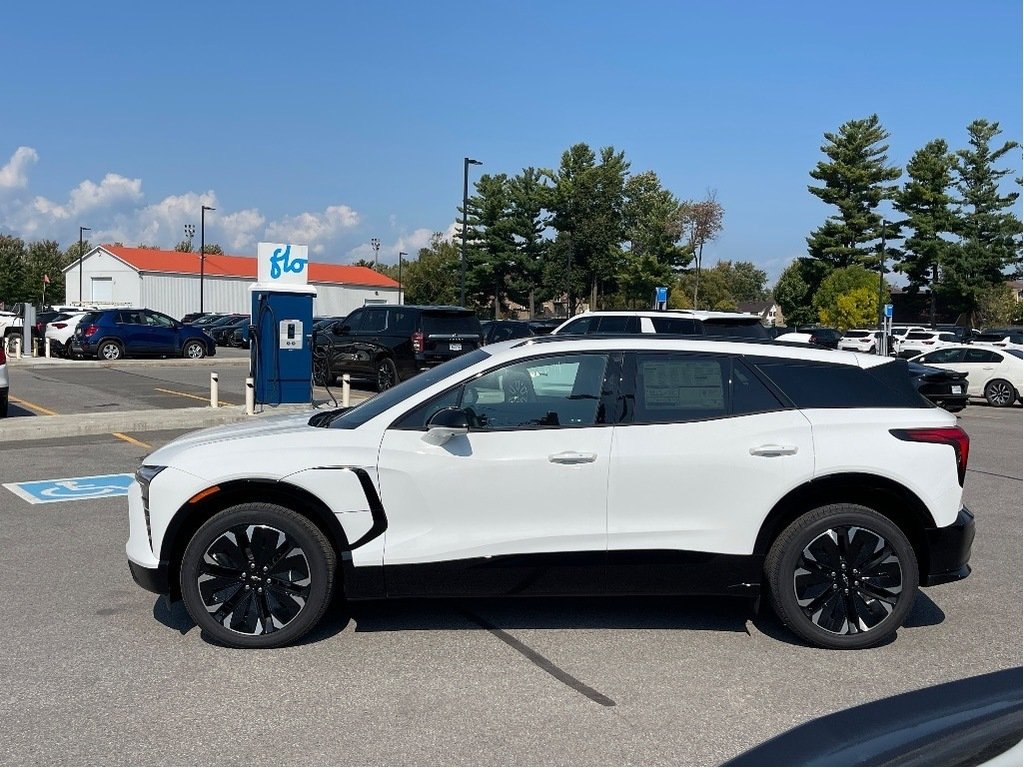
(572, 457)
(773, 450)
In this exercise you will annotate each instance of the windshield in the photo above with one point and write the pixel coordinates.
(450, 322)
(857, 334)
(376, 405)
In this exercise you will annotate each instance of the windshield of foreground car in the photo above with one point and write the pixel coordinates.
(376, 405)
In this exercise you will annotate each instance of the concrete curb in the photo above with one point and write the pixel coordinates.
(61, 362)
(83, 424)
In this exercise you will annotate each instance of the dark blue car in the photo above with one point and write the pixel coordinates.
(115, 333)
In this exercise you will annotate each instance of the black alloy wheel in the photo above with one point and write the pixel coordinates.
(518, 388)
(387, 374)
(1000, 393)
(843, 577)
(320, 376)
(257, 576)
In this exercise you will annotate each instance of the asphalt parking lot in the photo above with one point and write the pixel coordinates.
(100, 671)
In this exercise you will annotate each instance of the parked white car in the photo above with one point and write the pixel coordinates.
(686, 322)
(60, 330)
(860, 340)
(993, 373)
(918, 342)
(572, 465)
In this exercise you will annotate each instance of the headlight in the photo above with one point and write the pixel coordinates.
(144, 476)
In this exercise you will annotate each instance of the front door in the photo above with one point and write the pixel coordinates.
(517, 505)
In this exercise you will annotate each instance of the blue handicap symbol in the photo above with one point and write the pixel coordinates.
(72, 488)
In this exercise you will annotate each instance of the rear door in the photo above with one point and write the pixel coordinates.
(705, 452)
(132, 331)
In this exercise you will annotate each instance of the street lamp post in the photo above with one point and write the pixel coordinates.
(202, 252)
(400, 255)
(81, 246)
(466, 162)
(375, 244)
(882, 341)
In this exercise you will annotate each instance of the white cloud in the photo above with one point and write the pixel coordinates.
(15, 173)
(313, 229)
(88, 196)
(241, 229)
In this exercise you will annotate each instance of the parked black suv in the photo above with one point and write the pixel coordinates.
(391, 342)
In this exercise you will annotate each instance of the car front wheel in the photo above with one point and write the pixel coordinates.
(257, 576)
(1000, 393)
(194, 350)
(842, 577)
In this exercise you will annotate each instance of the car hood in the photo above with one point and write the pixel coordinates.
(222, 438)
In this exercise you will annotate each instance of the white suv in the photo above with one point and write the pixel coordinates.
(682, 322)
(560, 466)
(915, 343)
(860, 340)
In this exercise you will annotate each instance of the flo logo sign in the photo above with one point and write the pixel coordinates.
(282, 264)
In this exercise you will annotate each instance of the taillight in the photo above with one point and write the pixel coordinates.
(3, 355)
(417, 341)
(60, 325)
(89, 330)
(953, 436)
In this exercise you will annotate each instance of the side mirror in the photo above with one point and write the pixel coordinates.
(446, 424)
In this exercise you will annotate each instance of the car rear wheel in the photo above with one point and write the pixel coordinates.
(320, 375)
(257, 576)
(387, 374)
(3, 404)
(842, 576)
(194, 350)
(110, 350)
(1000, 393)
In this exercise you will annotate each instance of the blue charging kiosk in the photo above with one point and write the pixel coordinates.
(280, 349)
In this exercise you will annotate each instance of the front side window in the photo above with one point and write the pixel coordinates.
(161, 321)
(943, 356)
(554, 391)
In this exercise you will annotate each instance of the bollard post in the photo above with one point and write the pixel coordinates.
(17, 348)
(250, 396)
(214, 390)
(48, 346)
(346, 389)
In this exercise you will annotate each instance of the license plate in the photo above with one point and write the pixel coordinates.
(455, 347)
(958, 390)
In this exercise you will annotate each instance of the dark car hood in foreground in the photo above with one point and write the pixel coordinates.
(966, 722)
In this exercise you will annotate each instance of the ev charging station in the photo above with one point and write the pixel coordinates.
(281, 351)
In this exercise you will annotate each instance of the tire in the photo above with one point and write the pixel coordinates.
(3, 405)
(239, 553)
(1000, 393)
(109, 349)
(387, 374)
(813, 582)
(194, 350)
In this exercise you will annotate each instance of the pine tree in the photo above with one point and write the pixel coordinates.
(988, 227)
(925, 201)
(854, 181)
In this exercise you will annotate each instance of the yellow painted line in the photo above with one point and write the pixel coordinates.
(131, 440)
(187, 394)
(33, 406)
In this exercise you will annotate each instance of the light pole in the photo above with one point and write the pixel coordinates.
(466, 162)
(81, 299)
(202, 252)
(883, 342)
(375, 244)
(400, 255)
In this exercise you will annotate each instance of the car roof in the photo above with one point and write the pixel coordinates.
(698, 314)
(662, 342)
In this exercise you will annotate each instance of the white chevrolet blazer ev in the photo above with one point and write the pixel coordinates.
(565, 466)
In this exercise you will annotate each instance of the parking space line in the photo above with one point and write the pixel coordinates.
(33, 406)
(186, 394)
(132, 440)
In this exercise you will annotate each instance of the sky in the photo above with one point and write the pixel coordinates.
(331, 123)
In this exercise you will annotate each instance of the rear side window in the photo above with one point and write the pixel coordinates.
(735, 328)
(679, 387)
(682, 325)
(982, 356)
(401, 321)
(811, 384)
(450, 323)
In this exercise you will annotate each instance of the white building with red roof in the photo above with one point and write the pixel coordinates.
(168, 282)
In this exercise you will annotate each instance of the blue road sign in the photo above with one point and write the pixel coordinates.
(71, 488)
(888, 310)
(661, 294)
